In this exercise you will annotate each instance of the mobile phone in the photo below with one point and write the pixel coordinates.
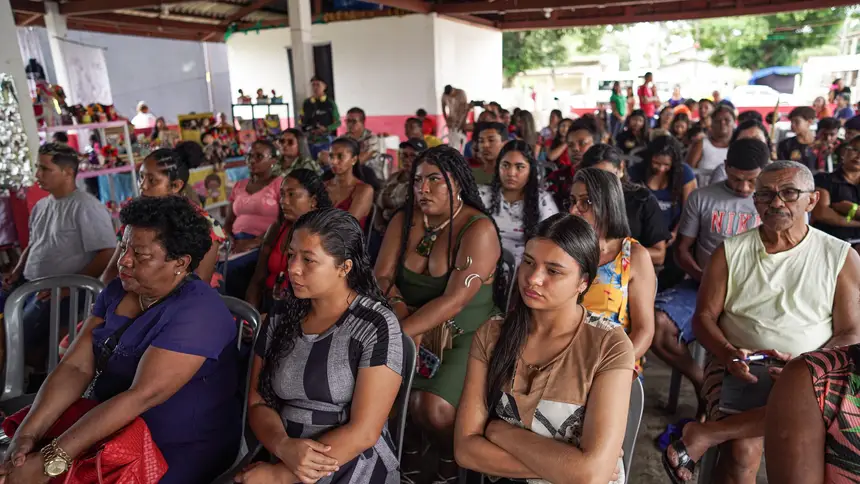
(739, 396)
(752, 358)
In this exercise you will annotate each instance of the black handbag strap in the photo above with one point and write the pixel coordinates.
(112, 341)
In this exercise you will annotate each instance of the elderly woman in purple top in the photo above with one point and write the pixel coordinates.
(174, 358)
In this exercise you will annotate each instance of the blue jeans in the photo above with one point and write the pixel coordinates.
(37, 315)
(679, 303)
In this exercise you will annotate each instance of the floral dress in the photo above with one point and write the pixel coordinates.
(608, 294)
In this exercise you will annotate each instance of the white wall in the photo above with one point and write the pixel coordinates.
(468, 57)
(388, 66)
(170, 75)
(383, 65)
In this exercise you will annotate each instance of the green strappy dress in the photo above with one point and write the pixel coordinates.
(419, 289)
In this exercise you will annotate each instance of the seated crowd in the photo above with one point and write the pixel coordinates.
(533, 275)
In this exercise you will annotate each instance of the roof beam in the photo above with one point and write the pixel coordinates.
(247, 10)
(495, 6)
(79, 23)
(84, 7)
(158, 23)
(682, 12)
(417, 6)
(474, 20)
(26, 6)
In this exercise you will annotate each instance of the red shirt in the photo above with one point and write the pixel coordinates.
(429, 126)
(648, 106)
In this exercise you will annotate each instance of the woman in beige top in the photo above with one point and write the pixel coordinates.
(523, 414)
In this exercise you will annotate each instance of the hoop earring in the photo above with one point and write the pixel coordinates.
(460, 196)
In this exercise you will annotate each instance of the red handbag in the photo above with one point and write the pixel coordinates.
(129, 456)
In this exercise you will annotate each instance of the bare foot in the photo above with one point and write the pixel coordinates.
(696, 442)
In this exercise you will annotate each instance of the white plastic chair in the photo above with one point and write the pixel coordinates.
(14, 322)
(634, 419)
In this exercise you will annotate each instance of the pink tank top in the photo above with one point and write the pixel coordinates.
(255, 212)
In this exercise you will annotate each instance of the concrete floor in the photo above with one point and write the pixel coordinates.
(647, 466)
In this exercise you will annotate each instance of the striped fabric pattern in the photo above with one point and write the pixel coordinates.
(836, 383)
(316, 381)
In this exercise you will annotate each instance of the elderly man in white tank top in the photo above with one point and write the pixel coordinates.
(781, 290)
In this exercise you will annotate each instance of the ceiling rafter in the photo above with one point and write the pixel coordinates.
(85, 7)
(245, 11)
(158, 23)
(26, 6)
(647, 13)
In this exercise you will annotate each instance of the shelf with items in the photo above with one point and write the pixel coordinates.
(107, 158)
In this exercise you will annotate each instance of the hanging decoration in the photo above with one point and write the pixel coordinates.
(15, 168)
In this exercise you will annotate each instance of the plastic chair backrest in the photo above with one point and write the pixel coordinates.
(397, 425)
(244, 312)
(634, 419)
(14, 322)
(368, 227)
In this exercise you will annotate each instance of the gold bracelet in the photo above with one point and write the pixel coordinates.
(60, 452)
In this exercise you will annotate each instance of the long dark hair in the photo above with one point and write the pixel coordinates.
(452, 165)
(531, 192)
(301, 139)
(607, 202)
(342, 238)
(667, 145)
(576, 237)
(603, 152)
(645, 126)
(559, 139)
(530, 134)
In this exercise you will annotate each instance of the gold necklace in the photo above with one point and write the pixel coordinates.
(143, 306)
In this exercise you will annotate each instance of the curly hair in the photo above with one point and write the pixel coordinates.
(668, 146)
(531, 192)
(453, 166)
(181, 229)
(341, 237)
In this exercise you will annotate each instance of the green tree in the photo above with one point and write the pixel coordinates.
(756, 42)
(533, 49)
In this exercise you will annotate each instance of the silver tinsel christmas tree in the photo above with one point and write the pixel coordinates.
(15, 168)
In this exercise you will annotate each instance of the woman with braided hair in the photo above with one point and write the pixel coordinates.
(439, 266)
(328, 364)
(514, 198)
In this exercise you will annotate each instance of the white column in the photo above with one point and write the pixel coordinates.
(57, 29)
(302, 47)
(12, 63)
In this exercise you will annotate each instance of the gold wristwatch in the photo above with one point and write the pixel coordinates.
(57, 461)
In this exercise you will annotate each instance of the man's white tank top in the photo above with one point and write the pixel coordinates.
(712, 157)
(781, 301)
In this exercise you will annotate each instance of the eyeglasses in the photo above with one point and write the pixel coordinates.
(787, 195)
(849, 151)
(582, 205)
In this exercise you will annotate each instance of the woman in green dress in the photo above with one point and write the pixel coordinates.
(440, 268)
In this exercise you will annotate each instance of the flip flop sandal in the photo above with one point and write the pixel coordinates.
(684, 461)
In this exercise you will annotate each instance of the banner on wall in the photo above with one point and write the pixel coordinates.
(87, 73)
